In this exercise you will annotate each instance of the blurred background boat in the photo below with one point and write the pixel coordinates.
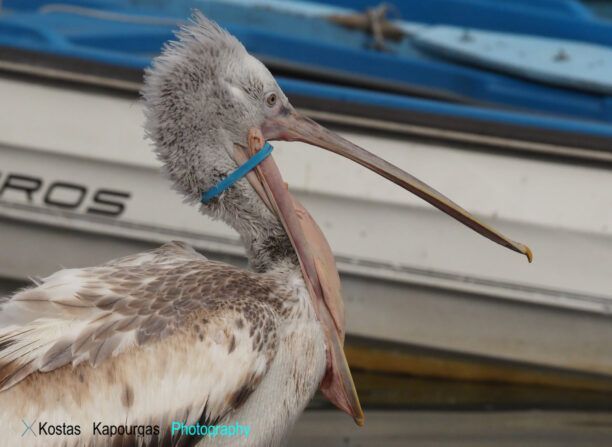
(505, 107)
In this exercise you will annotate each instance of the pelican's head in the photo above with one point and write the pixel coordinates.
(209, 105)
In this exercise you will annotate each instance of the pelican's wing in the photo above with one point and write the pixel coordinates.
(168, 302)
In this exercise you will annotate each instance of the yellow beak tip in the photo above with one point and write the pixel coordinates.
(360, 420)
(529, 254)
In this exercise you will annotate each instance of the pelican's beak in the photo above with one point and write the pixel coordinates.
(291, 126)
(315, 256)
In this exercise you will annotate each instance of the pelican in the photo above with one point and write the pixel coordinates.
(167, 347)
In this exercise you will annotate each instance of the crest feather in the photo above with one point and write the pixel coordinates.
(201, 42)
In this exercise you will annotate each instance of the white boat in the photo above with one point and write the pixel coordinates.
(79, 185)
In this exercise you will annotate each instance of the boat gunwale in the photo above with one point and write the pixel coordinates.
(572, 145)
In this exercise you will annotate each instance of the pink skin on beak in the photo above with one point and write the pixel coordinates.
(319, 272)
(315, 256)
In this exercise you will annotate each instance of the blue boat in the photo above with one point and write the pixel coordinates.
(538, 71)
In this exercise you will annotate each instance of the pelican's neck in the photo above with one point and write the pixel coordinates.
(271, 251)
(193, 170)
(267, 246)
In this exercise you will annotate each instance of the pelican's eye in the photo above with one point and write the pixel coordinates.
(271, 99)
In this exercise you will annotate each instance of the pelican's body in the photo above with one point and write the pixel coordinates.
(129, 350)
(187, 338)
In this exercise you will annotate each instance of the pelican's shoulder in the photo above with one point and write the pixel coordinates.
(169, 252)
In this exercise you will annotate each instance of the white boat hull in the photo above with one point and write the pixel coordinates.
(79, 185)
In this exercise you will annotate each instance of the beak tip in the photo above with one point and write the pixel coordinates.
(529, 254)
(359, 419)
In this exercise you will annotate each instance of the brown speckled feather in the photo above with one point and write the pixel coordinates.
(85, 319)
